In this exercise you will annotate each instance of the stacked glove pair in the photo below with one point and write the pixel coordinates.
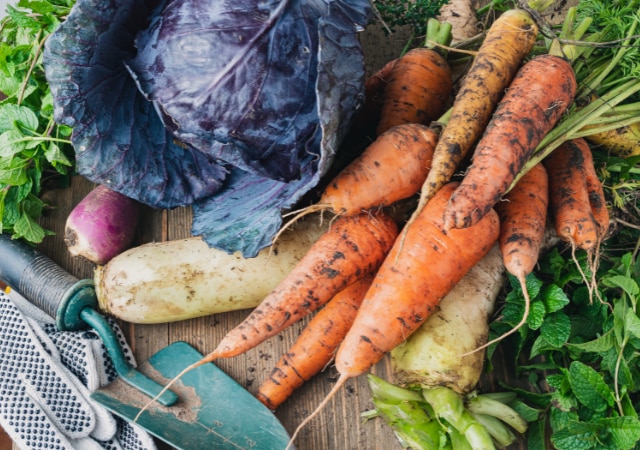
(46, 377)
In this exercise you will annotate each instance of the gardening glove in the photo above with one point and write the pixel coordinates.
(46, 377)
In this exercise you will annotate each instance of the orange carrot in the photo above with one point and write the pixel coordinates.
(508, 41)
(392, 168)
(537, 97)
(420, 84)
(577, 203)
(409, 286)
(353, 247)
(569, 196)
(368, 116)
(432, 262)
(600, 212)
(523, 216)
(316, 345)
(597, 201)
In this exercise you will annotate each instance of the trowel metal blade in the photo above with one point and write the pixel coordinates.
(213, 412)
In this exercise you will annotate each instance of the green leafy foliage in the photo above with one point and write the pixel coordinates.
(580, 352)
(413, 14)
(33, 148)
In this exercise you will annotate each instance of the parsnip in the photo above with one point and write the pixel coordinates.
(431, 356)
(175, 280)
(431, 376)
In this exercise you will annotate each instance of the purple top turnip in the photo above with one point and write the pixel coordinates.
(102, 225)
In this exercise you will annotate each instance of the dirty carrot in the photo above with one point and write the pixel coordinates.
(508, 41)
(597, 198)
(523, 216)
(538, 96)
(353, 247)
(409, 286)
(314, 349)
(420, 84)
(600, 212)
(569, 200)
(391, 168)
(577, 202)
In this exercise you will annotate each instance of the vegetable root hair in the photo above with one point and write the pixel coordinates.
(578, 205)
(171, 382)
(525, 315)
(334, 390)
(523, 216)
(297, 215)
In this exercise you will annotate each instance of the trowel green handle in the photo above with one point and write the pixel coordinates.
(45, 284)
(71, 302)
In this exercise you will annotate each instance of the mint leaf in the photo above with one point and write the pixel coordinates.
(624, 431)
(31, 143)
(589, 387)
(599, 345)
(11, 143)
(533, 285)
(14, 175)
(554, 298)
(55, 155)
(568, 439)
(539, 347)
(10, 114)
(632, 324)
(556, 329)
(627, 284)
(536, 436)
(536, 314)
(27, 228)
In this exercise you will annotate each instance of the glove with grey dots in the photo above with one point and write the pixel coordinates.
(46, 377)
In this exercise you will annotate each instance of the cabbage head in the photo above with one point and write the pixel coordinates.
(234, 107)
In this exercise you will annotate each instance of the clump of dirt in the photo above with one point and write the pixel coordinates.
(185, 410)
(461, 14)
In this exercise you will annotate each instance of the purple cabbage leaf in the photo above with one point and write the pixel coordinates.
(234, 107)
(118, 138)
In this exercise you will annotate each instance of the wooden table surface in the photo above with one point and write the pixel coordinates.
(339, 427)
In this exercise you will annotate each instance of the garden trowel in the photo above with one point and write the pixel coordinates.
(204, 409)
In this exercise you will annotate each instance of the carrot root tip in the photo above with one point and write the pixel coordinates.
(334, 390)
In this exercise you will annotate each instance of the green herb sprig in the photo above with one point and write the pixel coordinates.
(580, 353)
(33, 147)
(409, 13)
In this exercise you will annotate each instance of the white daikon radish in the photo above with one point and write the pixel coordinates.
(182, 279)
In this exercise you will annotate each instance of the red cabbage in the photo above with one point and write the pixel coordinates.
(234, 107)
